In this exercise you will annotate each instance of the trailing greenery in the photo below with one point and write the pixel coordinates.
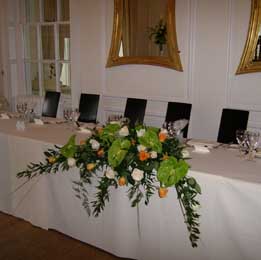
(145, 159)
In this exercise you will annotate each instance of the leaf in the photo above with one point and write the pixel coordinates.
(172, 171)
(150, 140)
(118, 151)
(109, 132)
(70, 148)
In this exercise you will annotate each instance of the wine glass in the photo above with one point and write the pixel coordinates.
(240, 137)
(21, 109)
(252, 140)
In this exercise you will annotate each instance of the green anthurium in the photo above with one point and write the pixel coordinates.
(109, 132)
(70, 148)
(171, 171)
(150, 140)
(118, 151)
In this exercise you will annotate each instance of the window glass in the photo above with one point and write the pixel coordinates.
(30, 42)
(50, 10)
(64, 41)
(32, 78)
(65, 10)
(32, 11)
(65, 78)
(48, 49)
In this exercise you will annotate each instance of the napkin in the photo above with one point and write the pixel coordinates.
(38, 121)
(4, 116)
(185, 154)
(200, 149)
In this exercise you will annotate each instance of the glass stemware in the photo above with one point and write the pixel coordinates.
(251, 140)
(240, 137)
(21, 109)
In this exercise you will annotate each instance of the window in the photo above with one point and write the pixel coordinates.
(46, 34)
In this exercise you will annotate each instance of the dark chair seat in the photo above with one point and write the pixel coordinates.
(88, 107)
(51, 102)
(231, 121)
(177, 111)
(135, 110)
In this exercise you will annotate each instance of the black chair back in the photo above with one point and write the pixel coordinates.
(177, 111)
(135, 110)
(231, 121)
(88, 107)
(51, 102)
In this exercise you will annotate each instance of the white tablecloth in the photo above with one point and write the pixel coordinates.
(231, 206)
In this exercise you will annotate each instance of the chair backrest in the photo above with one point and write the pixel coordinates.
(231, 121)
(88, 107)
(177, 111)
(50, 104)
(135, 110)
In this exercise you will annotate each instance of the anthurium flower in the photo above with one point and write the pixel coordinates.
(162, 137)
(95, 144)
(124, 131)
(71, 162)
(137, 175)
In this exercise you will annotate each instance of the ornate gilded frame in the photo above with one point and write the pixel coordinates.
(172, 61)
(247, 64)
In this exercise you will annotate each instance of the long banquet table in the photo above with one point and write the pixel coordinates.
(230, 203)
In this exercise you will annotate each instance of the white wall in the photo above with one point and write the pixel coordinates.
(211, 37)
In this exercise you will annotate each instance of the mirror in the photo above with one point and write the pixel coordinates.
(144, 32)
(251, 57)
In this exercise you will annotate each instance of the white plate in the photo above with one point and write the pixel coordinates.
(203, 143)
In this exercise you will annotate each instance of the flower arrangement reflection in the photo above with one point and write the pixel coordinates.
(146, 160)
(158, 34)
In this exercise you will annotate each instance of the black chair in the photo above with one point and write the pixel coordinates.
(51, 102)
(135, 110)
(177, 111)
(88, 108)
(231, 121)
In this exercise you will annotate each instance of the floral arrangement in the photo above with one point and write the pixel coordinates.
(145, 159)
(159, 34)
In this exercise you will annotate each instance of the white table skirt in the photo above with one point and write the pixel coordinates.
(230, 222)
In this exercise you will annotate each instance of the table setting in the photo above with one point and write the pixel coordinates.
(226, 174)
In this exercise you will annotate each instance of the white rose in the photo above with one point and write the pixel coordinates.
(115, 123)
(140, 132)
(137, 175)
(141, 148)
(95, 144)
(71, 162)
(110, 173)
(185, 154)
(153, 155)
(124, 131)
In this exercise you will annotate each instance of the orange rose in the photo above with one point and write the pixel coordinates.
(100, 153)
(51, 159)
(162, 137)
(162, 192)
(143, 155)
(99, 130)
(90, 166)
(133, 142)
(122, 181)
(82, 142)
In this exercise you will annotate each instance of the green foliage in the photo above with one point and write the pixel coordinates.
(69, 149)
(150, 140)
(171, 171)
(187, 190)
(121, 154)
(109, 132)
(118, 151)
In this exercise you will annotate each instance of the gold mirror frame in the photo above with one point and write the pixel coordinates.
(172, 61)
(247, 64)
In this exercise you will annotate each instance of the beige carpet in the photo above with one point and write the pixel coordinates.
(19, 240)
